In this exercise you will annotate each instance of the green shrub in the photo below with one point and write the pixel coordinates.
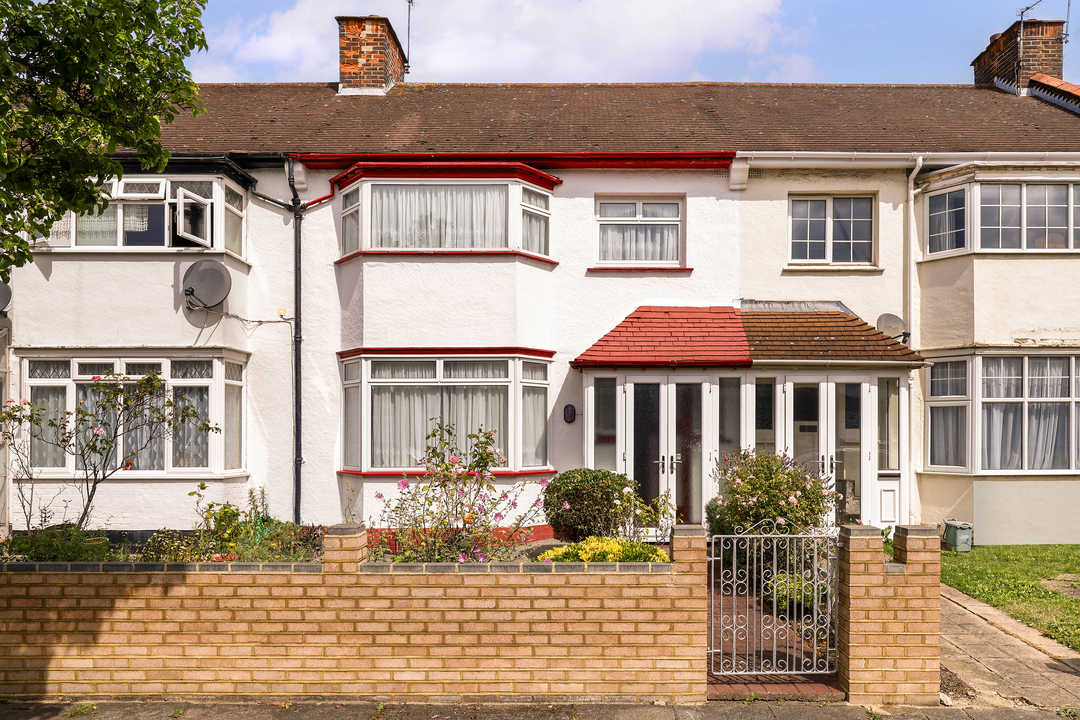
(597, 549)
(786, 590)
(757, 486)
(716, 518)
(582, 503)
(61, 543)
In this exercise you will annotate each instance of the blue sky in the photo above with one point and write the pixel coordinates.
(833, 41)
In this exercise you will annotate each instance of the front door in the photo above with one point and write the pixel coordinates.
(828, 429)
(664, 435)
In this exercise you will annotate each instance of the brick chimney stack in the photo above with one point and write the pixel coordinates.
(1043, 52)
(371, 58)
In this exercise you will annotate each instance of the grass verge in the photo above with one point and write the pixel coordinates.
(1008, 578)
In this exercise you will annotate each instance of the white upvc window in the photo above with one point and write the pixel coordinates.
(160, 212)
(947, 221)
(1029, 216)
(948, 409)
(837, 229)
(442, 214)
(212, 386)
(389, 404)
(640, 230)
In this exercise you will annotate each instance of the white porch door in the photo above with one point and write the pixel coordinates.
(830, 427)
(664, 433)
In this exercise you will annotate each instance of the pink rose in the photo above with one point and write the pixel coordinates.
(453, 459)
(781, 521)
(403, 484)
(99, 431)
(10, 400)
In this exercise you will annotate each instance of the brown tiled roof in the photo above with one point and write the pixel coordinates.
(670, 337)
(684, 117)
(820, 336)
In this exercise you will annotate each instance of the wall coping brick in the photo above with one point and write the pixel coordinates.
(917, 530)
(317, 567)
(346, 529)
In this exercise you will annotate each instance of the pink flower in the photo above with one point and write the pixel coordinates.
(544, 482)
(781, 521)
(566, 505)
(96, 377)
(378, 496)
(839, 496)
(10, 400)
(453, 459)
(24, 401)
(403, 484)
(782, 502)
(462, 558)
(498, 517)
(798, 493)
(99, 431)
(539, 502)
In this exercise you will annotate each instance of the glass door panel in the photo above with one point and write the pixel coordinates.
(686, 460)
(648, 460)
(806, 428)
(847, 441)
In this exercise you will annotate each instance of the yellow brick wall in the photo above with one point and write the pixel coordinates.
(415, 636)
(890, 616)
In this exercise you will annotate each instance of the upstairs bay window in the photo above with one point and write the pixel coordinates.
(148, 212)
(405, 396)
(445, 216)
(948, 222)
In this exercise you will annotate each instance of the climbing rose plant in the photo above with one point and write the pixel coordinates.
(454, 512)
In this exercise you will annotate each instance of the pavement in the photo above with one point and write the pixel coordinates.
(1000, 670)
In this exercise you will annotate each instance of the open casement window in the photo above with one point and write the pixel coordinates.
(640, 231)
(193, 217)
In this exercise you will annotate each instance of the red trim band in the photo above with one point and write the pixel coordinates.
(440, 351)
(440, 169)
(610, 269)
(413, 473)
(628, 363)
(480, 252)
(669, 160)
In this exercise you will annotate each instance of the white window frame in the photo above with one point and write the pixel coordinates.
(830, 218)
(640, 219)
(514, 210)
(215, 384)
(353, 210)
(173, 203)
(1072, 212)
(964, 401)
(514, 382)
(969, 201)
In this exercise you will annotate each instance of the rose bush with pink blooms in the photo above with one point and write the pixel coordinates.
(454, 512)
(756, 486)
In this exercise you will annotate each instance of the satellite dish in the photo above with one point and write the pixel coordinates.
(892, 325)
(5, 296)
(206, 284)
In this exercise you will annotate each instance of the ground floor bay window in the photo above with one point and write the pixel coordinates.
(391, 404)
(668, 430)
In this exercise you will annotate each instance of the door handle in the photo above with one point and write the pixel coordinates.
(832, 464)
(674, 462)
(661, 462)
(821, 465)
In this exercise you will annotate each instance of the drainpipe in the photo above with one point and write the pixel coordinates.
(909, 319)
(297, 208)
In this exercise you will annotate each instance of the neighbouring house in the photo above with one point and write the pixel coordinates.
(879, 280)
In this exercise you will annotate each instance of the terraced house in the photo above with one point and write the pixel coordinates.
(878, 280)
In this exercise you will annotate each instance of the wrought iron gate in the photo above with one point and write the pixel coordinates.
(773, 602)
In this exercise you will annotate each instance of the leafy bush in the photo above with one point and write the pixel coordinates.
(61, 543)
(454, 512)
(716, 518)
(757, 486)
(786, 590)
(599, 503)
(597, 549)
(227, 533)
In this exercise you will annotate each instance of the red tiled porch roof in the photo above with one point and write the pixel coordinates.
(654, 336)
(672, 337)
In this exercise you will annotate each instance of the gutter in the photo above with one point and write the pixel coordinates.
(675, 160)
(909, 319)
(871, 160)
(298, 436)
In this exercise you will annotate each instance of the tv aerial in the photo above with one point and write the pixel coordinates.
(206, 284)
(894, 327)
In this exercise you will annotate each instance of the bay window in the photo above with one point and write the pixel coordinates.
(948, 413)
(405, 397)
(948, 221)
(212, 387)
(439, 215)
(148, 212)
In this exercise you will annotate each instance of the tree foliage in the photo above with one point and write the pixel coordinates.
(79, 80)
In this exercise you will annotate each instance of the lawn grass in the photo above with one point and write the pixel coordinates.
(1007, 577)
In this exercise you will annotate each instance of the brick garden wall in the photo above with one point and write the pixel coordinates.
(436, 633)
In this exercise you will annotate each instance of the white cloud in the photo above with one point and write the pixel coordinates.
(504, 40)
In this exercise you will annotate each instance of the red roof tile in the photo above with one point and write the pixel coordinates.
(820, 336)
(672, 337)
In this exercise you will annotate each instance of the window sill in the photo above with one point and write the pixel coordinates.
(162, 252)
(432, 253)
(389, 473)
(639, 268)
(835, 268)
(151, 475)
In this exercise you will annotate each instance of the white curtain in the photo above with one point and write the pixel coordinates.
(470, 408)
(352, 426)
(141, 452)
(1048, 436)
(534, 426)
(1002, 435)
(461, 369)
(1003, 377)
(400, 422)
(44, 454)
(948, 436)
(439, 216)
(96, 229)
(402, 370)
(234, 424)
(88, 399)
(639, 242)
(534, 232)
(191, 447)
(1048, 377)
